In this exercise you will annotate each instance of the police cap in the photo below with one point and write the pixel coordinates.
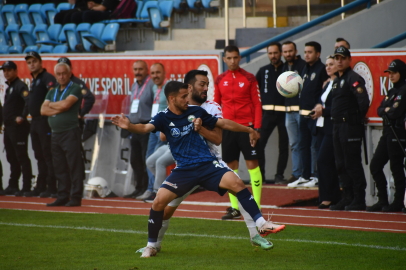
(33, 54)
(397, 65)
(65, 60)
(9, 64)
(343, 51)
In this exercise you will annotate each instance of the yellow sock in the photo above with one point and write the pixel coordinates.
(256, 183)
(233, 199)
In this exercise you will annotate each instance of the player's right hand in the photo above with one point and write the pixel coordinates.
(121, 121)
(254, 137)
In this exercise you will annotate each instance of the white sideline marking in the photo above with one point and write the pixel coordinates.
(206, 211)
(198, 235)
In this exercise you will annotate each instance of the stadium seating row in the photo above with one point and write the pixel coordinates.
(58, 39)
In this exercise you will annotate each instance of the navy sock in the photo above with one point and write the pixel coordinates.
(248, 203)
(154, 224)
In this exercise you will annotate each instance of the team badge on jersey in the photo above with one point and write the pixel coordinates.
(175, 132)
(37, 83)
(11, 90)
(25, 93)
(386, 98)
(395, 105)
(313, 76)
(191, 117)
(241, 84)
(342, 83)
(360, 90)
(84, 91)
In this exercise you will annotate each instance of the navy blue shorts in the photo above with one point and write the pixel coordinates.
(208, 175)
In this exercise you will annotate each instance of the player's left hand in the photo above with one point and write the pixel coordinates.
(198, 124)
(254, 137)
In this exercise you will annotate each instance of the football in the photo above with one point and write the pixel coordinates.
(289, 84)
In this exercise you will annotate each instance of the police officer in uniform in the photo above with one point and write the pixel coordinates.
(392, 110)
(16, 130)
(42, 82)
(273, 110)
(349, 107)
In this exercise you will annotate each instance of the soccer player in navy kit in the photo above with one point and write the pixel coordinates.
(195, 163)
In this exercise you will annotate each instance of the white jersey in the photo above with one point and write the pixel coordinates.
(214, 109)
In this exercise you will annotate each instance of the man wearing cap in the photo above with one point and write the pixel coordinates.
(392, 110)
(142, 98)
(16, 130)
(40, 132)
(349, 107)
(61, 105)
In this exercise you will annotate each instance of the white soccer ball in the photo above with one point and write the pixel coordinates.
(289, 84)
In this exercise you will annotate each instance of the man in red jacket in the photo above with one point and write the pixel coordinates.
(237, 92)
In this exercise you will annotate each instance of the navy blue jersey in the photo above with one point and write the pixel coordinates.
(188, 147)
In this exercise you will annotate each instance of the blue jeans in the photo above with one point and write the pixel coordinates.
(153, 144)
(292, 126)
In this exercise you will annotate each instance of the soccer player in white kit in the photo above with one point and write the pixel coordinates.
(198, 87)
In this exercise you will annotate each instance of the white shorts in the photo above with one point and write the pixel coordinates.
(176, 202)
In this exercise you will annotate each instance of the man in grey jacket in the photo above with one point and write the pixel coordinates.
(142, 98)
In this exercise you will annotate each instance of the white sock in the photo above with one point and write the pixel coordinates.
(260, 222)
(248, 221)
(152, 244)
(162, 231)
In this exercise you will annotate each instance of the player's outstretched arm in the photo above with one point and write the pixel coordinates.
(233, 126)
(124, 123)
(215, 136)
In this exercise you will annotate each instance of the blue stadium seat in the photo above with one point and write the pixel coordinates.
(47, 35)
(63, 6)
(210, 5)
(72, 38)
(107, 42)
(13, 33)
(27, 35)
(60, 49)
(46, 49)
(31, 49)
(48, 12)
(166, 8)
(8, 13)
(3, 49)
(21, 12)
(84, 28)
(3, 38)
(179, 6)
(147, 5)
(140, 4)
(15, 49)
(36, 14)
(2, 23)
(156, 19)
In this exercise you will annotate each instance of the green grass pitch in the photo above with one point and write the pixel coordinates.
(46, 240)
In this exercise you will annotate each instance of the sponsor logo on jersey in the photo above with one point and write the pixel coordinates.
(151, 221)
(253, 152)
(217, 164)
(191, 117)
(225, 83)
(251, 198)
(170, 184)
(175, 132)
(171, 124)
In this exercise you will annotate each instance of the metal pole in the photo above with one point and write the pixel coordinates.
(308, 10)
(226, 21)
(244, 15)
(342, 14)
(274, 14)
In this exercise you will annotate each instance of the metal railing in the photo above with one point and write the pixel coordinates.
(391, 41)
(296, 30)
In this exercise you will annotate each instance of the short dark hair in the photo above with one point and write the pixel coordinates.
(231, 48)
(190, 77)
(341, 39)
(277, 44)
(315, 45)
(289, 42)
(173, 87)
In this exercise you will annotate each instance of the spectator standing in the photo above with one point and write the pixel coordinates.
(2, 192)
(273, 110)
(61, 105)
(154, 143)
(16, 130)
(293, 63)
(237, 92)
(348, 110)
(329, 187)
(42, 83)
(142, 97)
(392, 110)
(314, 75)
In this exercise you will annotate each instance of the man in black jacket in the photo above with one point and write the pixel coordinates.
(16, 130)
(348, 110)
(273, 110)
(293, 63)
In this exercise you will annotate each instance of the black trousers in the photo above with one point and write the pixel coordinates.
(41, 144)
(64, 16)
(16, 145)
(306, 131)
(68, 163)
(388, 149)
(329, 186)
(90, 16)
(139, 146)
(347, 151)
(270, 120)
